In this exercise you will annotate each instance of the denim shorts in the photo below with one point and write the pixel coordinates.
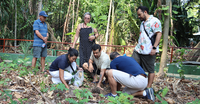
(39, 52)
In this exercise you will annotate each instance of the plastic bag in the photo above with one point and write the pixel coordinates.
(78, 78)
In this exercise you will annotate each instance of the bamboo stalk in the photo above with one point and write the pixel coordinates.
(107, 29)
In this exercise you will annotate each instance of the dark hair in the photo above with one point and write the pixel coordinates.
(143, 8)
(95, 47)
(87, 13)
(113, 55)
(72, 52)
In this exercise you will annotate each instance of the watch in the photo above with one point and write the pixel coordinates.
(154, 47)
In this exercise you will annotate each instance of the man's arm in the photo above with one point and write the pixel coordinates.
(101, 77)
(158, 37)
(91, 68)
(40, 36)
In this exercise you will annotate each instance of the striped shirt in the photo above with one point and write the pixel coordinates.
(42, 28)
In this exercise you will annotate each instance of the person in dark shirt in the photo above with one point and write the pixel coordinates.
(63, 66)
(126, 71)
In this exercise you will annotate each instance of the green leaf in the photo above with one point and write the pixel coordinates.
(165, 8)
(103, 17)
(175, 12)
(71, 33)
(61, 86)
(176, 6)
(166, 14)
(92, 25)
(164, 92)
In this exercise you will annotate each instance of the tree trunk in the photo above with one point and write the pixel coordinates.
(159, 11)
(165, 43)
(66, 23)
(15, 24)
(77, 11)
(112, 27)
(39, 8)
(107, 29)
(171, 20)
(73, 16)
(194, 55)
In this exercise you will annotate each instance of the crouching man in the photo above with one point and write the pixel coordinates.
(63, 66)
(126, 71)
(98, 63)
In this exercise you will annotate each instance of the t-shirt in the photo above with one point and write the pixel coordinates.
(42, 28)
(127, 64)
(152, 25)
(102, 62)
(60, 62)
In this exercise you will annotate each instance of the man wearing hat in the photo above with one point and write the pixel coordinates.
(40, 40)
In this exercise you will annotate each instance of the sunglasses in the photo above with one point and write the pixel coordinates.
(87, 18)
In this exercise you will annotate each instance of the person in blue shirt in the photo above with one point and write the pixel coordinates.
(63, 66)
(40, 39)
(126, 71)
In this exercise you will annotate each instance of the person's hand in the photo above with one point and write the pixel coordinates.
(99, 86)
(45, 39)
(81, 69)
(67, 87)
(90, 69)
(85, 66)
(153, 52)
(91, 38)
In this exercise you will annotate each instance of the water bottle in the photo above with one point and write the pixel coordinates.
(43, 45)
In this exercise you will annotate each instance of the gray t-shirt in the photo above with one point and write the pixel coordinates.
(102, 62)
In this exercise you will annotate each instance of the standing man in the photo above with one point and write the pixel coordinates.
(146, 49)
(126, 71)
(101, 61)
(40, 40)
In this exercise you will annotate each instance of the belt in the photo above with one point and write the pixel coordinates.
(143, 75)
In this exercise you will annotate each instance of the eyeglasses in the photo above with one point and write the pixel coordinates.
(87, 18)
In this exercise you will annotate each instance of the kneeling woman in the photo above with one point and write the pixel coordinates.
(62, 63)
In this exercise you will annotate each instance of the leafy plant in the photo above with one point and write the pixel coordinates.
(181, 71)
(25, 48)
(21, 100)
(59, 86)
(197, 101)
(43, 87)
(123, 98)
(4, 82)
(82, 95)
(163, 94)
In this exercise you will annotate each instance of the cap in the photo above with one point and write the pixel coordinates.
(43, 13)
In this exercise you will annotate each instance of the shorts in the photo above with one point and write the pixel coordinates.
(133, 83)
(145, 61)
(39, 52)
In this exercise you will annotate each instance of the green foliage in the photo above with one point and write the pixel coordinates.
(25, 48)
(21, 100)
(123, 98)
(181, 72)
(59, 86)
(197, 101)
(83, 96)
(164, 92)
(43, 87)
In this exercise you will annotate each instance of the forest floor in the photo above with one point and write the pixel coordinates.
(37, 89)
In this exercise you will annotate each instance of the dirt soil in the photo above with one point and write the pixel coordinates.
(180, 91)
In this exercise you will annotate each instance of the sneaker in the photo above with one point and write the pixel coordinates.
(150, 94)
(110, 94)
